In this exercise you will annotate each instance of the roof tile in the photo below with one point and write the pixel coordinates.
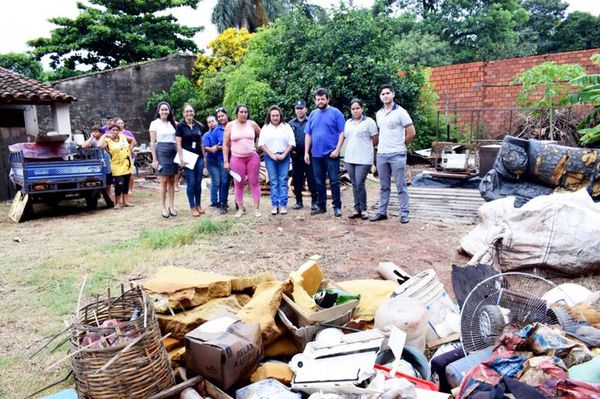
(15, 87)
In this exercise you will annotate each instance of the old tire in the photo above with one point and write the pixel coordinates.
(490, 323)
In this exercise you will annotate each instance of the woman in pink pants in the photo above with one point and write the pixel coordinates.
(239, 140)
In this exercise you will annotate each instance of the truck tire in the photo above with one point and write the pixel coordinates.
(91, 201)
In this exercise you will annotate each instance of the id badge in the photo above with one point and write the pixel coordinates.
(194, 145)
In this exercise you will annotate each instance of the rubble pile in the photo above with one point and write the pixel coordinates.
(307, 336)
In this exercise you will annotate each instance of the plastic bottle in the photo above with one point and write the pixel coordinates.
(329, 297)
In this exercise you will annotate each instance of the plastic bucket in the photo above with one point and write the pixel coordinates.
(443, 314)
(407, 314)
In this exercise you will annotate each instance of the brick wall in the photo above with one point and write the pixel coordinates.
(463, 88)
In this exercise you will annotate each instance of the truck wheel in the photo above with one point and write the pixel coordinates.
(91, 201)
(28, 212)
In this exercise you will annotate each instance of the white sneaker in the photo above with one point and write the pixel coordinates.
(239, 213)
(283, 211)
(257, 213)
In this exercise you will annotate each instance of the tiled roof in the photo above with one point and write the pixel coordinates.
(16, 88)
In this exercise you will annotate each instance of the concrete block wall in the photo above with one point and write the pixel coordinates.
(121, 92)
(463, 88)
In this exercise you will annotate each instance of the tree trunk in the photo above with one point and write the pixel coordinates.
(261, 13)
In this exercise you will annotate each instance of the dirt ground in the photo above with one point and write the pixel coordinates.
(45, 260)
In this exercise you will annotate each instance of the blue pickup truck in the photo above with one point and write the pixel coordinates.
(55, 179)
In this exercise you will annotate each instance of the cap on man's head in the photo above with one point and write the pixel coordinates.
(300, 104)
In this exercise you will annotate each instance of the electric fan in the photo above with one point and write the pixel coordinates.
(505, 300)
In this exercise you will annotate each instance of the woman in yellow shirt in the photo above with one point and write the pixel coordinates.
(119, 147)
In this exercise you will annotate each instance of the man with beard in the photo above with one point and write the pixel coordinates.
(324, 136)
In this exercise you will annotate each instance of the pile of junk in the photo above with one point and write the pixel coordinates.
(187, 333)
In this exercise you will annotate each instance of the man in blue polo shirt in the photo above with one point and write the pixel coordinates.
(324, 135)
(396, 131)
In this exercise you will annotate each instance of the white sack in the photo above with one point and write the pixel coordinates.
(560, 231)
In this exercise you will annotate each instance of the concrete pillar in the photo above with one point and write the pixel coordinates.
(61, 118)
(31, 122)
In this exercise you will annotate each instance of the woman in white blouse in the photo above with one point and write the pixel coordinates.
(162, 143)
(360, 135)
(276, 140)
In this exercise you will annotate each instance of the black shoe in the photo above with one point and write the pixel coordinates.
(314, 207)
(337, 212)
(223, 210)
(364, 216)
(356, 215)
(317, 211)
(298, 205)
(379, 217)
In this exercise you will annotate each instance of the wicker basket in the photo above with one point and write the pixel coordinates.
(132, 362)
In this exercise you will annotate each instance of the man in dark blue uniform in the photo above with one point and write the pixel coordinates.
(300, 170)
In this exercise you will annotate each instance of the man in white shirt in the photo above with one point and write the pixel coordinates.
(396, 132)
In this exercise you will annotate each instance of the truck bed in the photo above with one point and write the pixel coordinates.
(55, 176)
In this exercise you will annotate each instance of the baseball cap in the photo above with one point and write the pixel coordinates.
(300, 104)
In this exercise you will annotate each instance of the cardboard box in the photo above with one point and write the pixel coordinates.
(323, 315)
(305, 334)
(224, 357)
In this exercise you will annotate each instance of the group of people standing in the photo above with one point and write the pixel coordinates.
(118, 159)
(311, 143)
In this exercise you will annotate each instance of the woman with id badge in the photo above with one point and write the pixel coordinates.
(188, 136)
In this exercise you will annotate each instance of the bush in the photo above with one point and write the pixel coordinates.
(182, 91)
(349, 54)
(227, 49)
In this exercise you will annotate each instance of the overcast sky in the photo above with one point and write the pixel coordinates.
(22, 20)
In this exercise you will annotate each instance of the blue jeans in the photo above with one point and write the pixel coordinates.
(388, 165)
(219, 182)
(278, 177)
(193, 179)
(327, 167)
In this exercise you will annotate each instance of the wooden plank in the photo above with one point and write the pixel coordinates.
(18, 207)
(465, 191)
(167, 393)
(446, 194)
(444, 204)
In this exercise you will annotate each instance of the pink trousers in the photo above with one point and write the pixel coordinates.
(247, 166)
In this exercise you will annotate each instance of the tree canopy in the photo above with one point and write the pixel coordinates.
(579, 30)
(22, 63)
(544, 18)
(495, 29)
(109, 33)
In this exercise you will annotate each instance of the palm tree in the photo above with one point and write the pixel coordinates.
(249, 14)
